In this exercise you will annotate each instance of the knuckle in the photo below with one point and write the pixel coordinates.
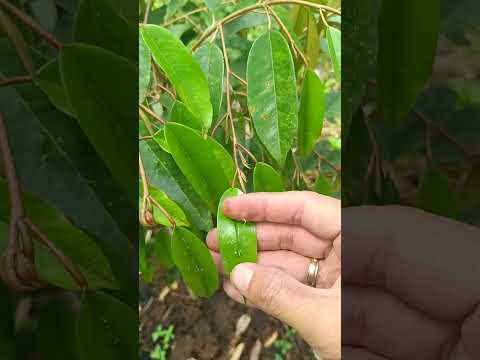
(272, 289)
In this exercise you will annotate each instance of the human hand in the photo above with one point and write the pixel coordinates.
(292, 228)
(412, 285)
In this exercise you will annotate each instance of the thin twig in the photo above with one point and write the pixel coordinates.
(150, 112)
(251, 8)
(147, 12)
(440, 129)
(32, 24)
(146, 217)
(331, 164)
(16, 80)
(230, 115)
(295, 49)
(66, 261)
(169, 217)
(238, 78)
(185, 16)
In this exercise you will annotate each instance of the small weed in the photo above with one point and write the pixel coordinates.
(283, 346)
(162, 339)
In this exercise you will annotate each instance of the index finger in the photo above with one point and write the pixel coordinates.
(427, 261)
(321, 215)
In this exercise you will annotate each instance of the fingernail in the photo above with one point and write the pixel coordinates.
(241, 277)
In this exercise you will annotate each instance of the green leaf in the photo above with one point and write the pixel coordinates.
(213, 5)
(163, 173)
(194, 262)
(7, 330)
(181, 69)
(210, 58)
(144, 267)
(266, 179)
(144, 68)
(107, 329)
(406, 50)
(98, 24)
(334, 42)
(310, 119)
(168, 205)
(160, 139)
(359, 44)
(16, 37)
(56, 333)
(323, 186)
(55, 150)
(49, 80)
(87, 74)
(272, 97)
(162, 248)
(204, 162)
(237, 240)
(180, 114)
(74, 243)
(312, 46)
(436, 196)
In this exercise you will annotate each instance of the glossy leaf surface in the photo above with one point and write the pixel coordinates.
(205, 163)
(237, 240)
(181, 69)
(210, 58)
(310, 119)
(180, 114)
(163, 173)
(104, 111)
(272, 96)
(406, 49)
(266, 179)
(162, 248)
(106, 328)
(167, 204)
(334, 42)
(195, 263)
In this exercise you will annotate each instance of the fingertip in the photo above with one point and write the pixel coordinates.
(212, 240)
(232, 292)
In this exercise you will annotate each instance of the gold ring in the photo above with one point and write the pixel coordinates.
(312, 272)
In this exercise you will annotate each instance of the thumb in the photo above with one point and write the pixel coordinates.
(314, 313)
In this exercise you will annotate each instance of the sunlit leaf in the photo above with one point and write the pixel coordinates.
(181, 69)
(144, 68)
(272, 96)
(266, 179)
(195, 263)
(310, 119)
(210, 58)
(334, 42)
(205, 163)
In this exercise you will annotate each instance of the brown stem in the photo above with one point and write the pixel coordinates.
(32, 24)
(17, 211)
(16, 80)
(169, 217)
(331, 164)
(65, 260)
(229, 112)
(286, 33)
(248, 9)
(151, 113)
(147, 11)
(185, 16)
